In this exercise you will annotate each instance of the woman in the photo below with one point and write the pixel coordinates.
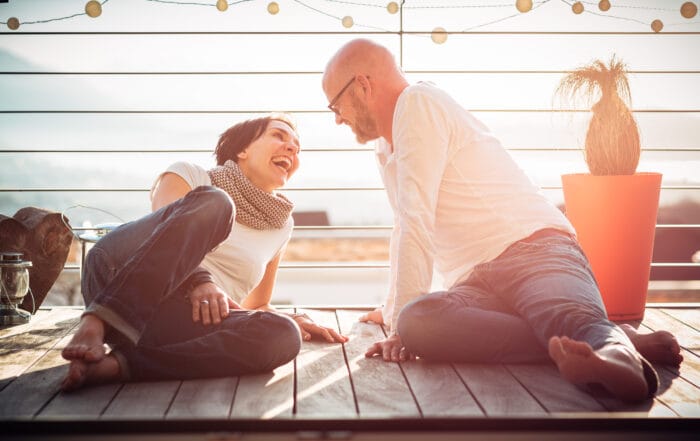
(185, 291)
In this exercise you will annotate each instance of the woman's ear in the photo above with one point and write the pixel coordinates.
(242, 154)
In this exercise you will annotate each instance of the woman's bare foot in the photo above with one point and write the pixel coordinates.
(657, 347)
(87, 343)
(615, 367)
(82, 374)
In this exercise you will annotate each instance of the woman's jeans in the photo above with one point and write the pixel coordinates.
(135, 280)
(508, 308)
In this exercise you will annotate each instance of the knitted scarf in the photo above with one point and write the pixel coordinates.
(254, 207)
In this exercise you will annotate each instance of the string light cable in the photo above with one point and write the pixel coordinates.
(93, 8)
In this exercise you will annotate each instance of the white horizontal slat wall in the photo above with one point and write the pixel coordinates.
(92, 109)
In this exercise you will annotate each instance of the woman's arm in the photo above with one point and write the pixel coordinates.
(210, 304)
(169, 188)
(260, 298)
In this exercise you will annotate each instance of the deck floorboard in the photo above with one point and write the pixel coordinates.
(332, 382)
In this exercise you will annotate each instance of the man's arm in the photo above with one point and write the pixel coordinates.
(420, 144)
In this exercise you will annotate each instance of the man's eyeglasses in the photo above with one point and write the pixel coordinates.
(331, 105)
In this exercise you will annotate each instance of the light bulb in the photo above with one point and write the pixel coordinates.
(439, 35)
(93, 8)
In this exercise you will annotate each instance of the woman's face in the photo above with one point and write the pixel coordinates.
(272, 159)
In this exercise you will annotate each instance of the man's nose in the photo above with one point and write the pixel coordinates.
(338, 119)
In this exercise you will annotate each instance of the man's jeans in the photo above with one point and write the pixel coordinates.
(134, 280)
(508, 308)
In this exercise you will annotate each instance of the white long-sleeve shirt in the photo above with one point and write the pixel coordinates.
(458, 197)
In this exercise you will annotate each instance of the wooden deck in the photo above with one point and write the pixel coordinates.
(333, 391)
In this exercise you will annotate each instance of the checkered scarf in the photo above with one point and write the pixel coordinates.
(254, 207)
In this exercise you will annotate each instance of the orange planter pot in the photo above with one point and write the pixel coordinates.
(615, 220)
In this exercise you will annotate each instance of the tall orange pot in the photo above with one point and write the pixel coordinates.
(615, 220)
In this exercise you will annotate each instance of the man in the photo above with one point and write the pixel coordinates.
(519, 287)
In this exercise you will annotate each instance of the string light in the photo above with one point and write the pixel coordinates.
(689, 10)
(439, 35)
(523, 5)
(392, 7)
(577, 8)
(93, 8)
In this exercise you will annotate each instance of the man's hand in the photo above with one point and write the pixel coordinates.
(210, 304)
(391, 349)
(373, 316)
(309, 328)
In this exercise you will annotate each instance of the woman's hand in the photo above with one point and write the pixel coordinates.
(210, 304)
(309, 328)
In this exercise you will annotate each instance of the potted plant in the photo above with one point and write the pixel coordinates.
(613, 208)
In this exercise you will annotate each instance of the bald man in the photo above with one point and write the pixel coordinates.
(518, 286)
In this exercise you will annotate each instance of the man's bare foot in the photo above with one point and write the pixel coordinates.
(82, 374)
(657, 347)
(615, 367)
(87, 343)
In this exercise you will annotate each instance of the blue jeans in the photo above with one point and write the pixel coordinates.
(508, 308)
(135, 279)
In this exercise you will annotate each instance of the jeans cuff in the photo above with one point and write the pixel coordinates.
(115, 321)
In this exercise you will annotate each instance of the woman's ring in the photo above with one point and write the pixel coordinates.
(204, 302)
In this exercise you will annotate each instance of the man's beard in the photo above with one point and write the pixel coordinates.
(365, 127)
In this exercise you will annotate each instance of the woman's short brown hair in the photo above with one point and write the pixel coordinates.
(239, 137)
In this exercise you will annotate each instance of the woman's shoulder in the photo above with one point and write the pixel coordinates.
(193, 174)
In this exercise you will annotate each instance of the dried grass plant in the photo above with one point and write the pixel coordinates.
(612, 141)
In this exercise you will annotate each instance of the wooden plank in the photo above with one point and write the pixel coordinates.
(679, 386)
(83, 404)
(689, 316)
(25, 397)
(678, 394)
(265, 396)
(10, 331)
(439, 390)
(323, 379)
(380, 387)
(24, 345)
(204, 398)
(497, 391)
(545, 383)
(688, 337)
(142, 400)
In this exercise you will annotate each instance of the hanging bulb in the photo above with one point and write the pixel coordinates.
(273, 8)
(348, 21)
(689, 10)
(523, 5)
(439, 35)
(13, 23)
(657, 25)
(392, 7)
(221, 5)
(604, 5)
(577, 8)
(93, 8)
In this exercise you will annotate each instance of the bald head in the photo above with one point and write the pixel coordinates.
(361, 57)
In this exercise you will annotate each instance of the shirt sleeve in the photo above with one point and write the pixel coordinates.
(420, 139)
